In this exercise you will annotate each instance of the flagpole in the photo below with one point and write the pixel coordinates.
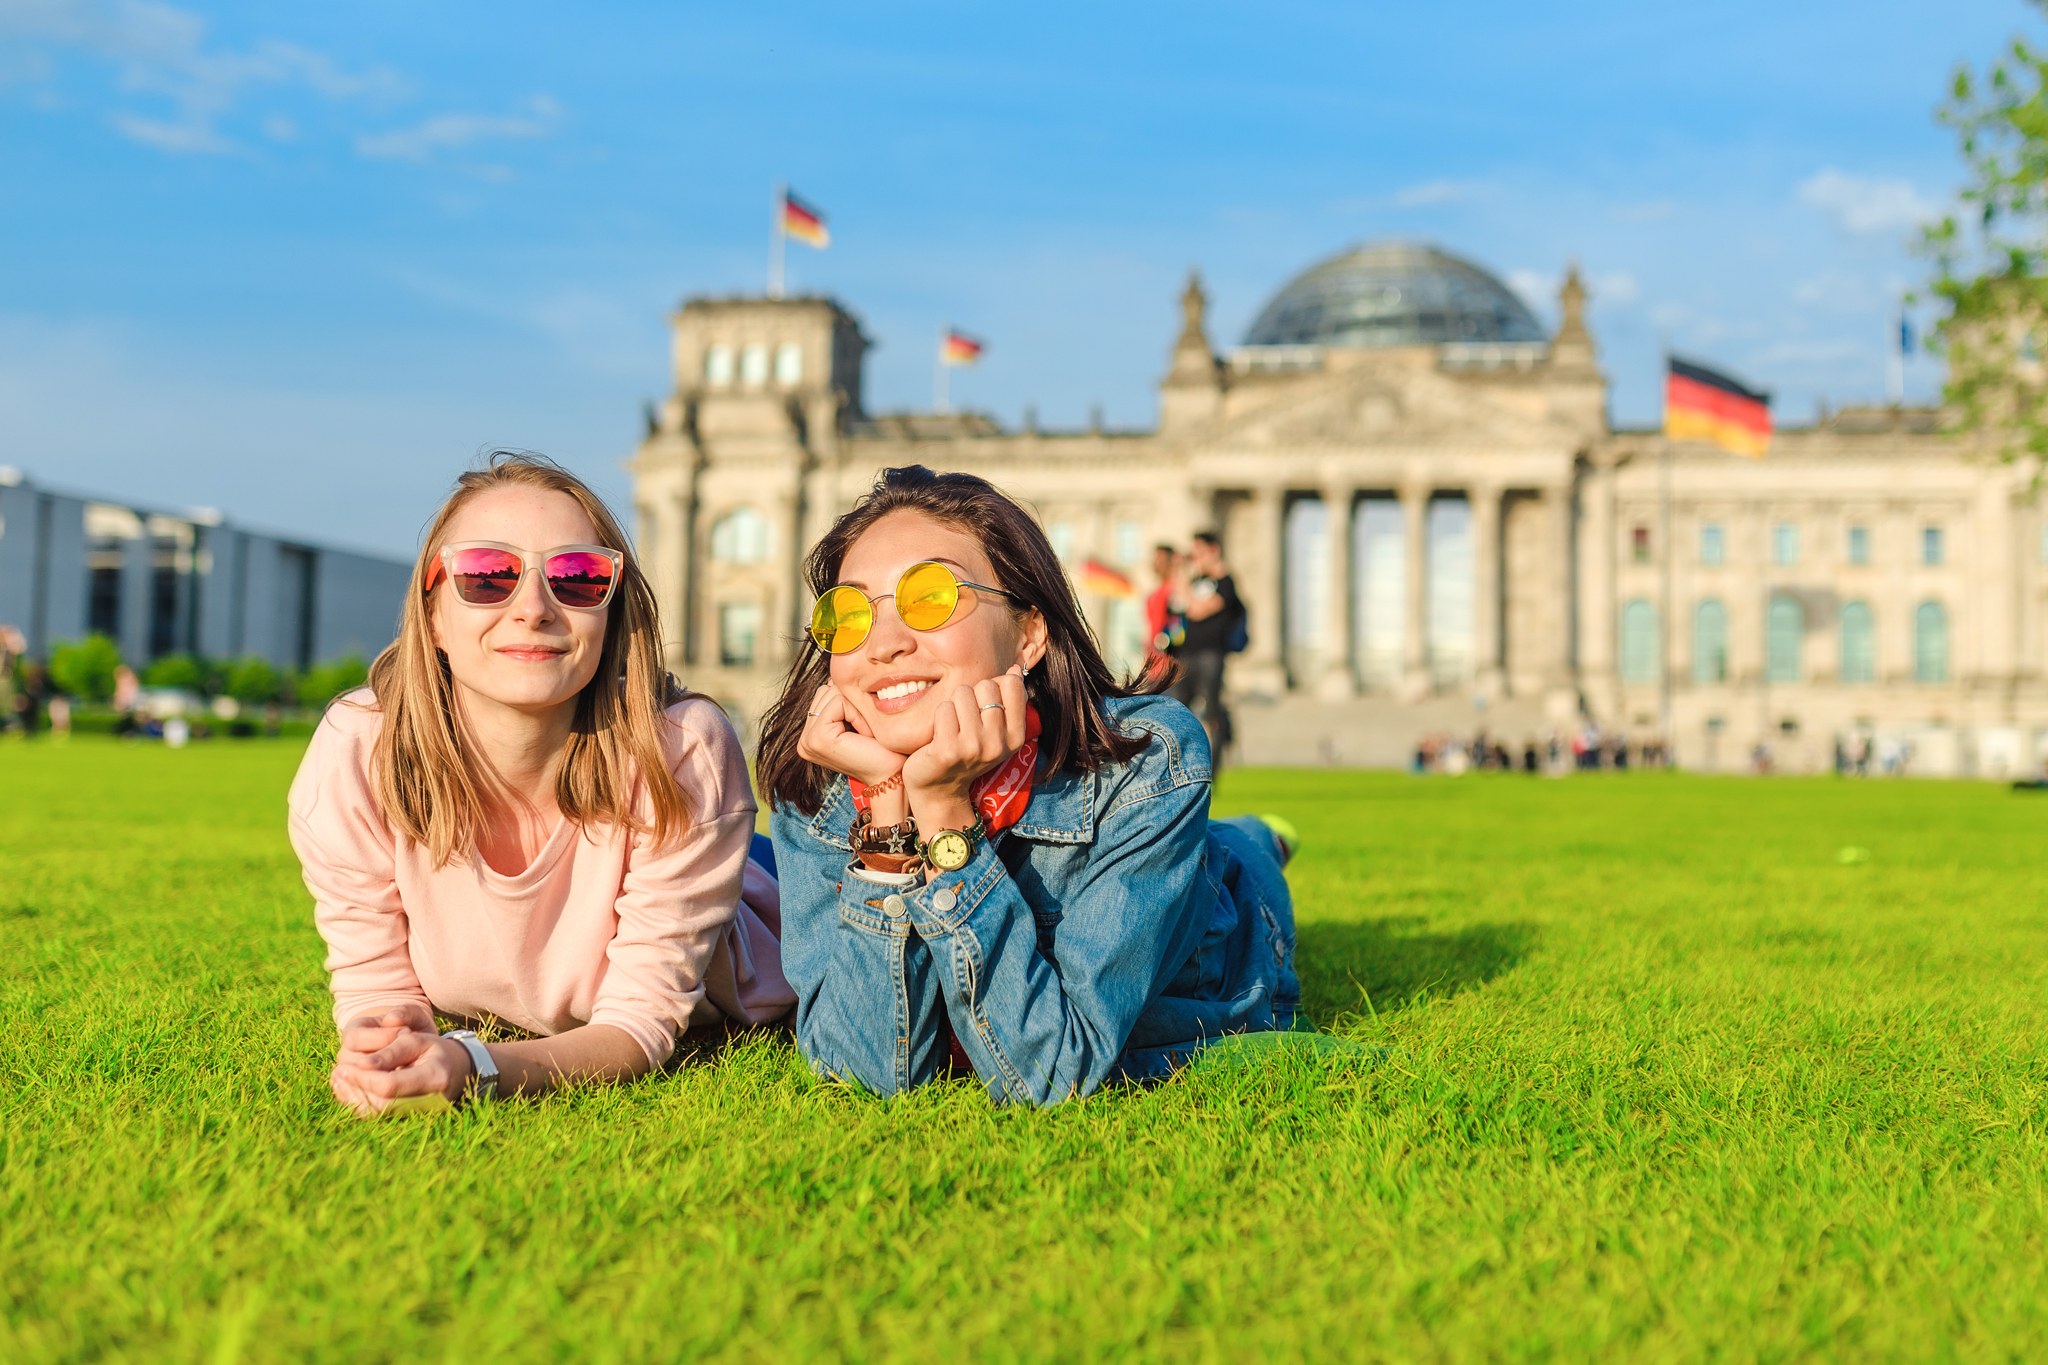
(778, 241)
(1668, 634)
(939, 403)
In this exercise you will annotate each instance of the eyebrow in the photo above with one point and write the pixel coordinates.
(960, 571)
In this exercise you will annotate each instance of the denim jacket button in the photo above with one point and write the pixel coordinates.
(892, 906)
(944, 899)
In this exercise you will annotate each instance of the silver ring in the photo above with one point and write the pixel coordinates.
(991, 706)
(815, 714)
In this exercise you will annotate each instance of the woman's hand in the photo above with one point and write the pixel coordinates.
(836, 738)
(395, 1054)
(982, 728)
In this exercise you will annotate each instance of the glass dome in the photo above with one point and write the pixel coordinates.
(1393, 294)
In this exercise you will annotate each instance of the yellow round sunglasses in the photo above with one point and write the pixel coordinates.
(926, 596)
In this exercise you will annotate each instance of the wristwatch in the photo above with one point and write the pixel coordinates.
(949, 849)
(484, 1084)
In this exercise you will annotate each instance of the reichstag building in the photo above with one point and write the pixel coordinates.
(1434, 524)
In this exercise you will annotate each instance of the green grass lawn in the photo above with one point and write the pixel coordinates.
(1663, 1078)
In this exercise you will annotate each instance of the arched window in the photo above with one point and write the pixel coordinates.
(1638, 641)
(1930, 643)
(754, 364)
(718, 366)
(1859, 644)
(740, 537)
(1710, 642)
(1784, 634)
(789, 364)
(739, 633)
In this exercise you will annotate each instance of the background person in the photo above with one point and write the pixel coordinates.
(1214, 618)
(1162, 622)
(990, 852)
(523, 819)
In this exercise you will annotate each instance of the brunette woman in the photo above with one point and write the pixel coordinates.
(523, 820)
(992, 855)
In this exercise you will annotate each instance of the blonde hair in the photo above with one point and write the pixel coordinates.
(428, 781)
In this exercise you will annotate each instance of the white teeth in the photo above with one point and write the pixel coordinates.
(902, 689)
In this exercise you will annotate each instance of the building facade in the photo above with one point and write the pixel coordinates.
(158, 582)
(1433, 523)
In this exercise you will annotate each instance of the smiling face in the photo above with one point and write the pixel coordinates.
(525, 654)
(898, 677)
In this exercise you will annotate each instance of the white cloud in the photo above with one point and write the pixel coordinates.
(162, 51)
(1617, 288)
(1536, 287)
(454, 132)
(1866, 205)
(1431, 192)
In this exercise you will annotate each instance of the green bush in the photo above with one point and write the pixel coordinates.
(253, 681)
(85, 668)
(182, 671)
(322, 683)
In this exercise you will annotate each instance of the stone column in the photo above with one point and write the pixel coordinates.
(1561, 698)
(1254, 554)
(1339, 674)
(785, 623)
(1596, 548)
(1486, 589)
(1415, 682)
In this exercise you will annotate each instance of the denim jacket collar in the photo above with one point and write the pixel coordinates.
(1061, 811)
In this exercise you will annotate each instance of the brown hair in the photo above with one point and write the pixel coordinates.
(429, 785)
(1068, 686)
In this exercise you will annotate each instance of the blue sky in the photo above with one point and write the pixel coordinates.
(302, 262)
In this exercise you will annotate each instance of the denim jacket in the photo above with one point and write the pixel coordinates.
(1107, 935)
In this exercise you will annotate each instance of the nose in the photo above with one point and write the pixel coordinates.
(530, 600)
(888, 638)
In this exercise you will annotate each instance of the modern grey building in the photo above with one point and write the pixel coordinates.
(161, 582)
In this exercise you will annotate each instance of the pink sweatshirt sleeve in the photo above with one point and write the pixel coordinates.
(347, 854)
(677, 902)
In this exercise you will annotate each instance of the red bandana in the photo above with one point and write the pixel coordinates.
(1000, 794)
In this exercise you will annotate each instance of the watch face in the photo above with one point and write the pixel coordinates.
(950, 850)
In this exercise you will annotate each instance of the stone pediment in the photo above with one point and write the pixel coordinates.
(1413, 408)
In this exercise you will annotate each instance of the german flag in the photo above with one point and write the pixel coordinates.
(1097, 577)
(803, 222)
(1704, 405)
(958, 348)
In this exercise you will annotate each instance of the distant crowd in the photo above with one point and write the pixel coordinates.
(1585, 749)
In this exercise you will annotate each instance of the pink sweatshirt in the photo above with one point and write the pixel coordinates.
(601, 929)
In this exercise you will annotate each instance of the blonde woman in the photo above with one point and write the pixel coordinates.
(523, 820)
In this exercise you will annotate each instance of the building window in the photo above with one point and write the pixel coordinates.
(1930, 545)
(1859, 544)
(789, 364)
(1785, 544)
(1930, 643)
(1859, 644)
(754, 364)
(1784, 634)
(1129, 539)
(1710, 642)
(718, 366)
(1713, 544)
(1061, 534)
(739, 631)
(1638, 641)
(1639, 544)
(740, 537)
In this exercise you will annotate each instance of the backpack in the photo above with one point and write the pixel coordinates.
(1239, 639)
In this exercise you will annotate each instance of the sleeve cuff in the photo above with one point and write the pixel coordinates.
(895, 880)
